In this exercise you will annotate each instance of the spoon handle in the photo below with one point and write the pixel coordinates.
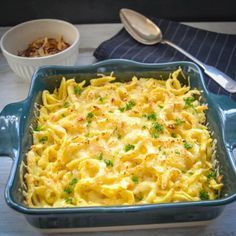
(218, 76)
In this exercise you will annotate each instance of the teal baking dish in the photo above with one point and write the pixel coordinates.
(15, 140)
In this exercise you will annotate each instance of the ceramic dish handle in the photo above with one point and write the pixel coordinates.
(9, 129)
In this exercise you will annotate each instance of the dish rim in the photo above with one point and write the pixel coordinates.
(108, 209)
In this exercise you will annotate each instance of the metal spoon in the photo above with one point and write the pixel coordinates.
(146, 32)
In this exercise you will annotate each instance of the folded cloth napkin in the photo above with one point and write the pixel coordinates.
(218, 50)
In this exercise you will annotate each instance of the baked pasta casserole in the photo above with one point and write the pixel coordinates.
(145, 141)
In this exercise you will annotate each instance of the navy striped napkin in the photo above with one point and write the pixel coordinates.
(218, 50)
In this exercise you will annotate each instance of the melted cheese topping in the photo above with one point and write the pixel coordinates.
(138, 142)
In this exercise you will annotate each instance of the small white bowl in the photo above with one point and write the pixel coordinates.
(19, 37)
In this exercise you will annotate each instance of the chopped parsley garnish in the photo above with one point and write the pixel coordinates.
(89, 116)
(204, 195)
(101, 99)
(211, 175)
(43, 139)
(66, 104)
(68, 190)
(73, 181)
(160, 106)
(187, 145)
(159, 148)
(129, 147)
(151, 116)
(100, 157)
(78, 90)
(135, 179)
(108, 162)
(174, 135)
(68, 200)
(191, 173)
(139, 197)
(179, 121)
(155, 135)
(158, 127)
(38, 128)
(128, 106)
(118, 136)
(177, 152)
(122, 109)
(189, 101)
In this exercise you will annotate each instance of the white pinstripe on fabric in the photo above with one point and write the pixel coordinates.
(125, 53)
(222, 50)
(218, 60)
(212, 46)
(132, 58)
(191, 43)
(230, 58)
(179, 44)
(173, 36)
(117, 47)
(202, 43)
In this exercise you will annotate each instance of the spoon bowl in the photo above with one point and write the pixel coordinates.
(140, 28)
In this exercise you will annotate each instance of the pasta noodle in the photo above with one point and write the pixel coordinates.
(111, 143)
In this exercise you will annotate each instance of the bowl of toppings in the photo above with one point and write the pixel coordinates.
(32, 44)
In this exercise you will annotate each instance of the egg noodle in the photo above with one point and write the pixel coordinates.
(111, 143)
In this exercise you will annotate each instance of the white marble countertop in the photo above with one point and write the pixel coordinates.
(12, 90)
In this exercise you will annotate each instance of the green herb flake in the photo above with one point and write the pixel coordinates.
(78, 90)
(159, 148)
(177, 152)
(189, 102)
(211, 175)
(73, 181)
(174, 135)
(69, 200)
(109, 163)
(68, 190)
(151, 116)
(128, 106)
(179, 121)
(160, 106)
(43, 139)
(119, 136)
(129, 147)
(38, 128)
(135, 179)
(187, 145)
(90, 115)
(158, 127)
(155, 135)
(66, 104)
(203, 195)
(121, 109)
(100, 157)
(190, 173)
(139, 197)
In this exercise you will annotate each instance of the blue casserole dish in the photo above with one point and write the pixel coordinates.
(15, 140)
